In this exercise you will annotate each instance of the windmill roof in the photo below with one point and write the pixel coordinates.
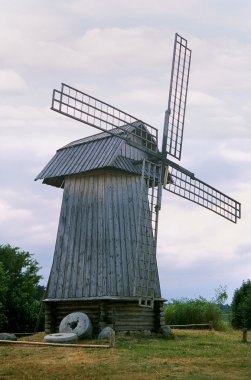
(98, 151)
(102, 135)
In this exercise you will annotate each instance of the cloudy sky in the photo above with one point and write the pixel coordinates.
(120, 51)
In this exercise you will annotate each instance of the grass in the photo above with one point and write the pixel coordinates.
(193, 354)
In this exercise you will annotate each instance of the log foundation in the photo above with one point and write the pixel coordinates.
(124, 316)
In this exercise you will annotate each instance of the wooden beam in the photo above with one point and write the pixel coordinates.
(26, 343)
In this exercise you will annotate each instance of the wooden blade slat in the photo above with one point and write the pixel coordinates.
(178, 96)
(189, 187)
(100, 115)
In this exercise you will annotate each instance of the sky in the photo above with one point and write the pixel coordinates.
(120, 52)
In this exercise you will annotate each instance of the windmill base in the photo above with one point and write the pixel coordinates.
(123, 315)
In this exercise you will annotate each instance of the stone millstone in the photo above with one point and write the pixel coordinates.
(77, 323)
(61, 338)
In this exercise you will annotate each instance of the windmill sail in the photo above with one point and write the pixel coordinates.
(91, 111)
(175, 116)
(186, 185)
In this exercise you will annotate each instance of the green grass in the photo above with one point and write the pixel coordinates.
(193, 354)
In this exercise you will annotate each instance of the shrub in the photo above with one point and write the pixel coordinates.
(241, 306)
(192, 311)
(18, 287)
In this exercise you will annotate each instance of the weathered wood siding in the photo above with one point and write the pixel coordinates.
(131, 152)
(96, 241)
(122, 316)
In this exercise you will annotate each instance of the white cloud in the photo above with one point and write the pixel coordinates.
(19, 218)
(11, 82)
(8, 213)
(233, 154)
(96, 9)
(98, 49)
(21, 113)
(201, 246)
(201, 99)
(36, 131)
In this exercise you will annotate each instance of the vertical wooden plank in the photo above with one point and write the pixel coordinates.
(124, 236)
(76, 248)
(72, 270)
(101, 237)
(135, 192)
(52, 286)
(130, 230)
(130, 152)
(67, 257)
(93, 238)
(80, 279)
(73, 240)
(62, 249)
(111, 275)
(116, 236)
(90, 212)
(105, 247)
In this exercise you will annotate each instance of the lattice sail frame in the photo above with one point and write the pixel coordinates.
(146, 245)
(178, 96)
(189, 187)
(98, 114)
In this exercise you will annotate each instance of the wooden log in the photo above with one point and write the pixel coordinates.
(192, 325)
(133, 323)
(120, 311)
(27, 343)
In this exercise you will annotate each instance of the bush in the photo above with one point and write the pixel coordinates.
(192, 311)
(3, 294)
(241, 306)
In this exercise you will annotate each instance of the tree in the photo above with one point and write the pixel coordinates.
(18, 288)
(3, 292)
(220, 295)
(241, 306)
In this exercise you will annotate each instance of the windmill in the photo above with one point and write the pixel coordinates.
(105, 254)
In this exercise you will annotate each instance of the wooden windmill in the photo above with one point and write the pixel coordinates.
(105, 255)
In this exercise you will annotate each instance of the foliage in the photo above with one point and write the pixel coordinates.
(220, 295)
(18, 288)
(192, 311)
(3, 293)
(241, 306)
(226, 313)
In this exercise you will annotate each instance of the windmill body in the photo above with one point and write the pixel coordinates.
(97, 241)
(105, 254)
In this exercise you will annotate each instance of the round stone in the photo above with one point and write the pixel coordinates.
(7, 336)
(61, 338)
(77, 323)
(167, 332)
(106, 332)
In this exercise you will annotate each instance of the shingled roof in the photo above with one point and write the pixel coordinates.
(98, 151)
